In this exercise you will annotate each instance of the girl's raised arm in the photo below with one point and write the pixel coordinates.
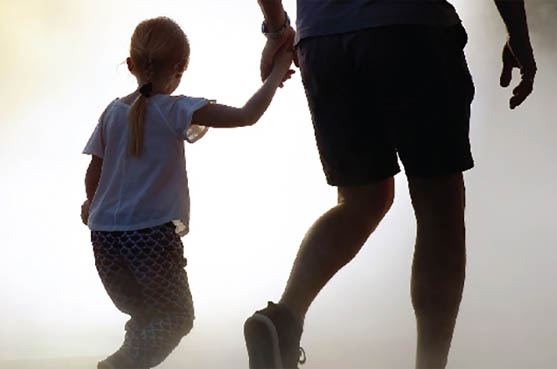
(217, 115)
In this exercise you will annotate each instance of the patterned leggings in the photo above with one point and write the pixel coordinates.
(143, 273)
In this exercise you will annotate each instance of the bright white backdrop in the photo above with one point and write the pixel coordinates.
(255, 191)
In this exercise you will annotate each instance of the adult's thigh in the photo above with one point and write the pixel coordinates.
(354, 144)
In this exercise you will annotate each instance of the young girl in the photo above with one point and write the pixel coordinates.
(137, 203)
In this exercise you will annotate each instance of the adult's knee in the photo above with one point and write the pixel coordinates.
(438, 201)
(368, 202)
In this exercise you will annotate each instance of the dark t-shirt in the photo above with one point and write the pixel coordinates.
(326, 17)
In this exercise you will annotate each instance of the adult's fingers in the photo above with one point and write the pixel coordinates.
(519, 54)
(509, 62)
(521, 92)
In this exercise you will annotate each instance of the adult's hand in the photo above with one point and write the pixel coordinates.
(272, 46)
(517, 53)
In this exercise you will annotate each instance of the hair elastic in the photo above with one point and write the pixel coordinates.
(146, 89)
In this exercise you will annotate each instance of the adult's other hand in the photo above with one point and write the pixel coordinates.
(517, 53)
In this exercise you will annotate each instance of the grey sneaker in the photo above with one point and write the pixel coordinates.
(273, 339)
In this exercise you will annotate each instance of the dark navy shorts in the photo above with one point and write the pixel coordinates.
(385, 93)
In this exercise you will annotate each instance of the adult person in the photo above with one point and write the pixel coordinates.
(384, 77)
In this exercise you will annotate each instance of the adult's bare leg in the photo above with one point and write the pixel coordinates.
(438, 270)
(334, 239)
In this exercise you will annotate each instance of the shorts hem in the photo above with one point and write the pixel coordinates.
(361, 181)
(439, 172)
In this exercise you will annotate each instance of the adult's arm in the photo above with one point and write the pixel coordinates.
(275, 18)
(273, 12)
(517, 52)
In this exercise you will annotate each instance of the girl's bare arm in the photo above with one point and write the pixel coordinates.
(223, 116)
(93, 176)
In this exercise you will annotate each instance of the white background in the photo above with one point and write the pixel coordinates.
(255, 191)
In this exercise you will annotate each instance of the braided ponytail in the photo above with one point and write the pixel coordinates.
(136, 117)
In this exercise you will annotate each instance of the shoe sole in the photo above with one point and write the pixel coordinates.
(104, 365)
(262, 343)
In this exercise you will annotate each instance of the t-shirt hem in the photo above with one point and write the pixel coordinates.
(91, 152)
(385, 21)
(133, 227)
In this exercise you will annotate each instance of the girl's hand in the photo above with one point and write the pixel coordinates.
(282, 63)
(85, 211)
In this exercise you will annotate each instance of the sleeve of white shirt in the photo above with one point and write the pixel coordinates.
(96, 144)
(183, 111)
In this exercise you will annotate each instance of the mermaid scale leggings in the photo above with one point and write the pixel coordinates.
(143, 273)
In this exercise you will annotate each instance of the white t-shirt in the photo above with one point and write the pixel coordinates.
(327, 17)
(152, 189)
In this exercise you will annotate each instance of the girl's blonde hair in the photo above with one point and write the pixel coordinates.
(158, 46)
